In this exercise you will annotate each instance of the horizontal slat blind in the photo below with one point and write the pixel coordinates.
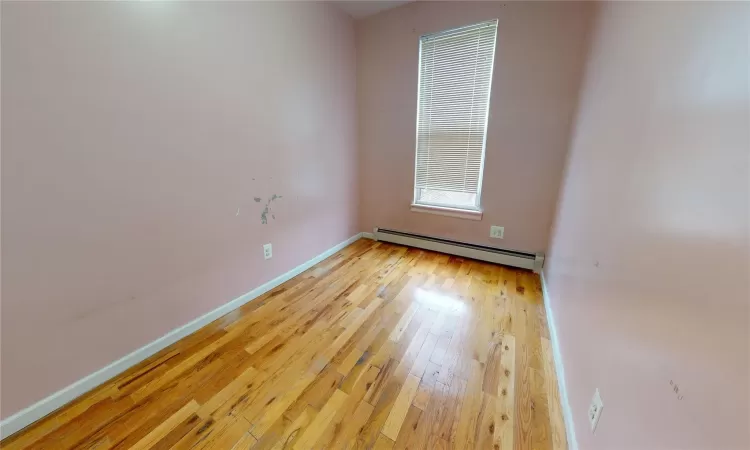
(455, 74)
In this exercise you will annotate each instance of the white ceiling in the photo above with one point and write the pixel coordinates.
(361, 9)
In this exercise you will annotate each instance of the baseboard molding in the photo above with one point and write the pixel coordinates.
(557, 355)
(27, 416)
(367, 235)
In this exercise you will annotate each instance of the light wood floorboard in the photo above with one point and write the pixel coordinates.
(378, 347)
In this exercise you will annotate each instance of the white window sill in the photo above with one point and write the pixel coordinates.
(450, 212)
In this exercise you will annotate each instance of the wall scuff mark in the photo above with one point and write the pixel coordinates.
(267, 209)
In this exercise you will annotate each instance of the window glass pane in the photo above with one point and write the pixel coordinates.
(455, 75)
(451, 199)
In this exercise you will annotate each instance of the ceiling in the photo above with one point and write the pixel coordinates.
(361, 9)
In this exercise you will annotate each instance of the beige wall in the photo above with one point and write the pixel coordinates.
(649, 268)
(135, 137)
(538, 64)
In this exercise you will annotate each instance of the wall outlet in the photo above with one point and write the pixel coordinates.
(595, 410)
(497, 232)
(267, 251)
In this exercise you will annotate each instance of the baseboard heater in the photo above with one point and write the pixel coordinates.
(512, 258)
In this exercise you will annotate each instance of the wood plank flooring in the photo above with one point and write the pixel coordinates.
(377, 347)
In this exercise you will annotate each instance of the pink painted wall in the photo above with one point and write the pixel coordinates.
(649, 268)
(132, 134)
(538, 63)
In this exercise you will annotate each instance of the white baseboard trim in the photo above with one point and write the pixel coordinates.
(367, 235)
(38, 410)
(567, 413)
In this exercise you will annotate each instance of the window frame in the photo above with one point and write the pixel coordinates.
(475, 211)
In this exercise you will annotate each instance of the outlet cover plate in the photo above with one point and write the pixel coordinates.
(267, 251)
(497, 232)
(595, 410)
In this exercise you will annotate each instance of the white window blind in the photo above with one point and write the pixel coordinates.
(455, 76)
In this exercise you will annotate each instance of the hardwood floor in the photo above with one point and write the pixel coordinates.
(379, 346)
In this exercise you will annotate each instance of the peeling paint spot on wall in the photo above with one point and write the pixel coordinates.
(267, 209)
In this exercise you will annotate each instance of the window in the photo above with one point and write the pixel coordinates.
(455, 76)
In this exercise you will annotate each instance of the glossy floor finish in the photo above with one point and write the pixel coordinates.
(379, 346)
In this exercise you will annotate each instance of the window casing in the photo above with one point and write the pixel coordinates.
(455, 79)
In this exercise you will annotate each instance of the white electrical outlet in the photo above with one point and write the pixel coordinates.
(595, 410)
(497, 232)
(267, 251)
